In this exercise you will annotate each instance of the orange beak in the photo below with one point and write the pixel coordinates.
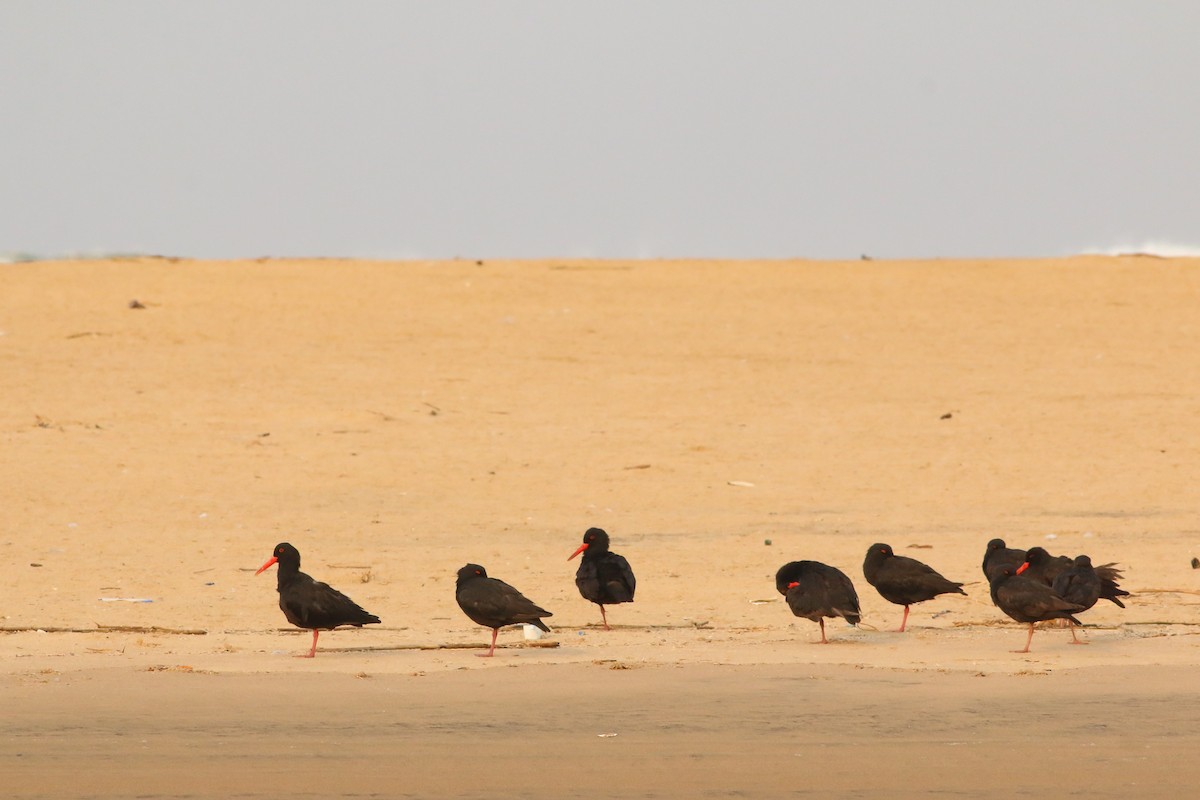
(582, 547)
(1023, 567)
(270, 561)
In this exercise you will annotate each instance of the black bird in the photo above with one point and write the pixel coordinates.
(815, 591)
(310, 604)
(1028, 600)
(493, 603)
(1043, 566)
(603, 576)
(904, 581)
(1080, 585)
(1047, 568)
(999, 555)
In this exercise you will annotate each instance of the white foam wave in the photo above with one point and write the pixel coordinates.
(1152, 247)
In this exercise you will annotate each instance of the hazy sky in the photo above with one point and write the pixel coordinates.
(609, 129)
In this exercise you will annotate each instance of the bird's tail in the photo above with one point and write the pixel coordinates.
(1110, 591)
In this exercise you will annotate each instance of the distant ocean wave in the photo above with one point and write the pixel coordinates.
(1153, 247)
(24, 257)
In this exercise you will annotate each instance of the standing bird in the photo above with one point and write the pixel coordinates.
(603, 576)
(493, 603)
(1029, 601)
(310, 604)
(1047, 568)
(1080, 585)
(999, 555)
(904, 581)
(815, 591)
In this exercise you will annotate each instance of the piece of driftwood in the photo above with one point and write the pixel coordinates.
(1006, 622)
(700, 625)
(1167, 591)
(308, 632)
(104, 629)
(372, 648)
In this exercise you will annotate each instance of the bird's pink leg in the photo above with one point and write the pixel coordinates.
(904, 621)
(489, 653)
(313, 652)
(1027, 641)
(604, 617)
(823, 639)
(1074, 638)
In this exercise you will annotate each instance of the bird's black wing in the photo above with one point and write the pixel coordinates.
(617, 577)
(492, 602)
(313, 604)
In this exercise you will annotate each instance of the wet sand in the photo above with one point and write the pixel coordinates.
(596, 731)
(395, 421)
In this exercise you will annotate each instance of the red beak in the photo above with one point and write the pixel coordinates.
(1023, 567)
(270, 561)
(582, 547)
(793, 584)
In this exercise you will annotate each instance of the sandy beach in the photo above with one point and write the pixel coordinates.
(395, 420)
